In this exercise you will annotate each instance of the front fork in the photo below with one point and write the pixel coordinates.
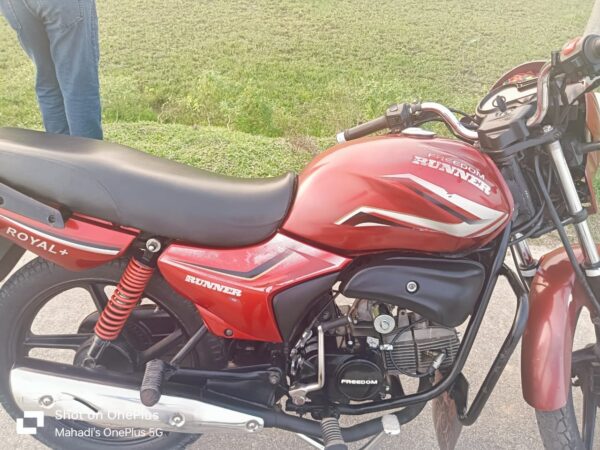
(527, 264)
(124, 300)
(557, 297)
(576, 210)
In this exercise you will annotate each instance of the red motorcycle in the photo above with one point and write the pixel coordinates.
(224, 304)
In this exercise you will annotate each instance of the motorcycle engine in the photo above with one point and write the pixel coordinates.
(364, 360)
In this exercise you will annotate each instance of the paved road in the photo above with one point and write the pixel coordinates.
(507, 422)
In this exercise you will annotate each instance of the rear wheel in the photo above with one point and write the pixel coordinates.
(40, 301)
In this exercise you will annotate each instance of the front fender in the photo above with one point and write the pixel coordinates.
(556, 299)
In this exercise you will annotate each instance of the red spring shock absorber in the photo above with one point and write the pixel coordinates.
(125, 298)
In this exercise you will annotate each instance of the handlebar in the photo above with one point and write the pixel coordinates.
(580, 57)
(451, 120)
(543, 96)
(364, 129)
(591, 49)
(396, 117)
(399, 117)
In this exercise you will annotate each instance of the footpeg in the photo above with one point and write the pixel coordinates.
(151, 389)
(332, 434)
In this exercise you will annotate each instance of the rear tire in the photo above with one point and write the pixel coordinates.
(22, 296)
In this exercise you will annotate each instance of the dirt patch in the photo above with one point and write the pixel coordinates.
(304, 144)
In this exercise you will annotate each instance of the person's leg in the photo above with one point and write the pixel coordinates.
(72, 27)
(33, 38)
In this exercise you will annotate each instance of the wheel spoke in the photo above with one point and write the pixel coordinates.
(157, 327)
(163, 346)
(57, 341)
(98, 295)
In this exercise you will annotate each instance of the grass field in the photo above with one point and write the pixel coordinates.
(254, 87)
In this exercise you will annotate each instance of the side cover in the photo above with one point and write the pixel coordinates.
(444, 291)
(234, 289)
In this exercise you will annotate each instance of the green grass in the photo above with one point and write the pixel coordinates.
(275, 76)
(219, 150)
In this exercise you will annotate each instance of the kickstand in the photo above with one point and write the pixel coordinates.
(391, 427)
(316, 444)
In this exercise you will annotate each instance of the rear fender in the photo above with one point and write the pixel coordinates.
(556, 299)
(83, 243)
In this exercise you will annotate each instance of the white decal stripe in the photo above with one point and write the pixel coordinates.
(462, 229)
(86, 248)
(491, 229)
(349, 216)
(483, 212)
(490, 219)
(372, 224)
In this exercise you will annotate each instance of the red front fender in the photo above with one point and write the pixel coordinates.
(556, 298)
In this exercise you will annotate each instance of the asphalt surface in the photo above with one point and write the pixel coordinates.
(507, 422)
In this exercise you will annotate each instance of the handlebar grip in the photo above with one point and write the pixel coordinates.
(591, 49)
(364, 129)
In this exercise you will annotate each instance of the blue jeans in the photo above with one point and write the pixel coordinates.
(61, 38)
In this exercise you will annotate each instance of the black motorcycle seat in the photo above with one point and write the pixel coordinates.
(134, 189)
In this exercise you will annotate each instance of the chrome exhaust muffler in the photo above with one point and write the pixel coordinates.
(116, 406)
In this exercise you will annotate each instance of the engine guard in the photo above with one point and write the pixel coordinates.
(556, 299)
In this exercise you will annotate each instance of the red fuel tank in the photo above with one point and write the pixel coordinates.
(400, 193)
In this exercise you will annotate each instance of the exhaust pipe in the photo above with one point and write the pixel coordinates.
(109, 399)
(101, 404)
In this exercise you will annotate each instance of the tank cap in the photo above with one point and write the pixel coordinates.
(418, 132)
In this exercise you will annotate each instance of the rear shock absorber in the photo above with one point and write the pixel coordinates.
(123, 301)
(125, 298)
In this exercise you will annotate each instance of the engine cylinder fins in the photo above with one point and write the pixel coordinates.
(417, 352)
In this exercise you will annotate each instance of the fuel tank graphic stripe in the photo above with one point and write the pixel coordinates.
(441, 205)
(470, 206)
(489, 219)
(368, 220)
(51, 237)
